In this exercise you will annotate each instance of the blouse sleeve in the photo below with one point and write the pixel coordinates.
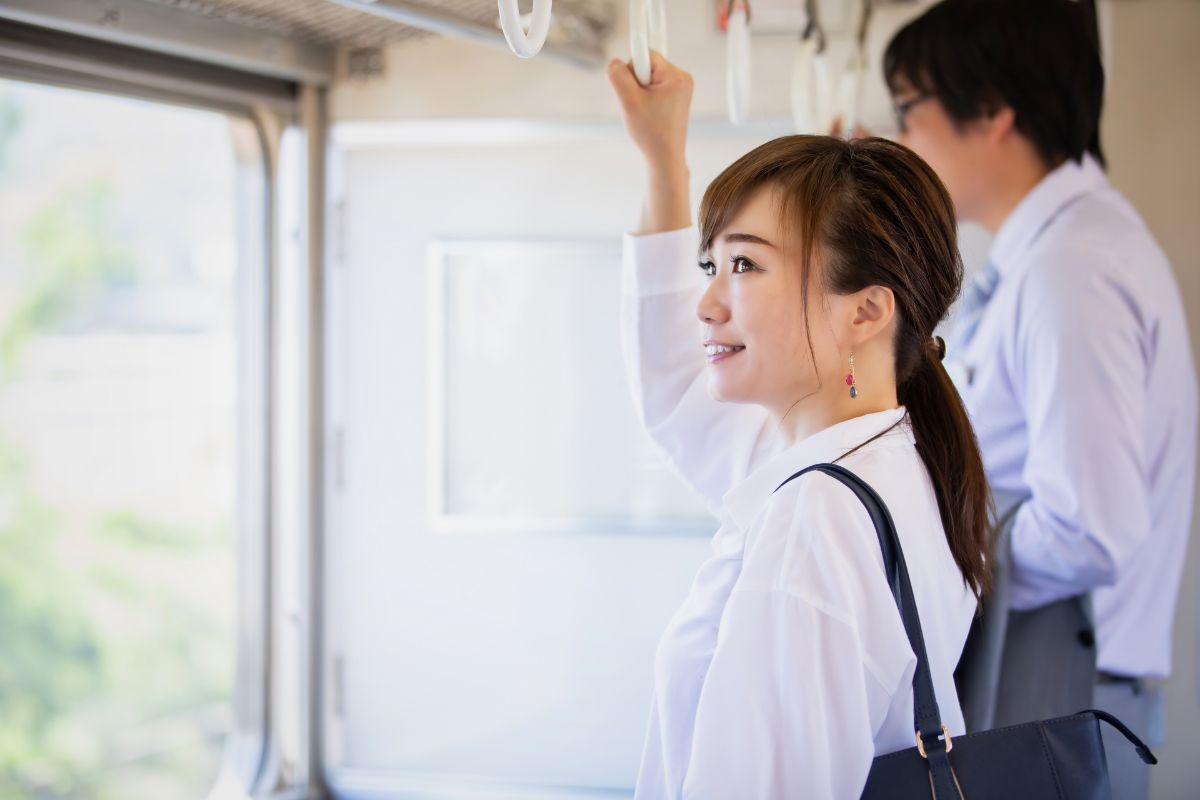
(712, 445)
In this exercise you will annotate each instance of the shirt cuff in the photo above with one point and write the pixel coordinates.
(660, 263)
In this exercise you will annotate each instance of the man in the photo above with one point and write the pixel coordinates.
(1072, 345)
(1071, 341)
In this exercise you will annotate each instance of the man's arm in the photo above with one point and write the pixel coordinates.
(1080, 368)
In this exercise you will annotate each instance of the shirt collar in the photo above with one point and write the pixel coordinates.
(744, 501)
(1067, 182)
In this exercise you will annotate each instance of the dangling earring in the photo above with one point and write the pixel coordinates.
(850, 379)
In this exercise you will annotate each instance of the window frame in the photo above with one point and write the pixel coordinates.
(280, 258)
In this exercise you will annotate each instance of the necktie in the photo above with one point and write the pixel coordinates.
(973, 304)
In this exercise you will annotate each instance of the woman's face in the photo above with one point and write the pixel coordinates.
(753, 315)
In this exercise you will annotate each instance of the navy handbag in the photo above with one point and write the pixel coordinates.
(1059, 758)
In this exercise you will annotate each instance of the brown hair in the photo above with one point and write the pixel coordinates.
(877, 215)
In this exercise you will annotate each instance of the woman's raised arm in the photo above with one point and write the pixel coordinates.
(713, 445)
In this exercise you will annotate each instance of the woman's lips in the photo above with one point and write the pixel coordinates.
(715, 353)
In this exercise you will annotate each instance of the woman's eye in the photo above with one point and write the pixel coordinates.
(741, 264)
(710, 269)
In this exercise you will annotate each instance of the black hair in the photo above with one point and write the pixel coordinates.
(1041, 58)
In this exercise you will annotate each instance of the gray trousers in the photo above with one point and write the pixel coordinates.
(1140, 708)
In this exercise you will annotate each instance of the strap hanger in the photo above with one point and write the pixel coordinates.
(525, 45)
(811, 86)
(647, 29)
(737, 60)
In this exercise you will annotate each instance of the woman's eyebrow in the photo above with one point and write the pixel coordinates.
(738, 237)
(747, 237)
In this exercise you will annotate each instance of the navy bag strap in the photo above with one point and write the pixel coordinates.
(927, 719)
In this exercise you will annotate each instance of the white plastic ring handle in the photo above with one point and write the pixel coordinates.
(823, 83)
(737, 75)
(805, 100)
(852, 81)
(849, 101)
(647, 29)
(525, 45)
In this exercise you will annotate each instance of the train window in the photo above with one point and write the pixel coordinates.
(529, 325)
(124, 329)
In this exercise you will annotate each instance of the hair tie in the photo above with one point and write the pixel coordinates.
(937, 345)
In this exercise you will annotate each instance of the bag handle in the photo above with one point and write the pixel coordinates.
(1142, 750)
(933, 738)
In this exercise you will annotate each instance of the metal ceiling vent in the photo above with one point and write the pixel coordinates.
(577, 33)
(315, 21)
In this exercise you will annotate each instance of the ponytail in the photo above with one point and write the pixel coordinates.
(947, 445)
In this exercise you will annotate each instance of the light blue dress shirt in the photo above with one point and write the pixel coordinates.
(1080, 382)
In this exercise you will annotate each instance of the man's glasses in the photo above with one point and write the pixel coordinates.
(900, 110)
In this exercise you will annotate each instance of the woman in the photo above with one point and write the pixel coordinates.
(824, 267)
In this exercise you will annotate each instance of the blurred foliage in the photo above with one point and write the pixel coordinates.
(106, 662)
(73, 255)
(114, 668)
(51, 650)
(10, 125)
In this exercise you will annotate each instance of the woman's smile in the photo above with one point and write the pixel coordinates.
(719, 351)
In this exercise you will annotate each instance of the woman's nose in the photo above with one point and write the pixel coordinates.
(713, 309)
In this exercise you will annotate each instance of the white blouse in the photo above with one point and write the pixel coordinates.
(786, 670)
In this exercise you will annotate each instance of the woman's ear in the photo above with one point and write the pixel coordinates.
(874, 308)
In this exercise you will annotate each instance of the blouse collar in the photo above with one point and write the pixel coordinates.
(744, 501)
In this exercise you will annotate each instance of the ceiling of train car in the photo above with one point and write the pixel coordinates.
(326, 23)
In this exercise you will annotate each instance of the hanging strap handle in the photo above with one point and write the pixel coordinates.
(932, 737)
(737, 61)
(647, 29)
(525, 45)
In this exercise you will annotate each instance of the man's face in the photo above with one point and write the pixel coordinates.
(958, 152)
